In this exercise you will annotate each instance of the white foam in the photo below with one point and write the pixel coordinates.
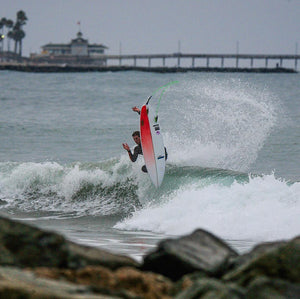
(75, 178)
(263, 209)
(51, 187)
(18, 178)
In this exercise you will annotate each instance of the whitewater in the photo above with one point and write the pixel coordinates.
(233, 157)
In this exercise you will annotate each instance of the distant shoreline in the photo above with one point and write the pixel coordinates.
(53, 68)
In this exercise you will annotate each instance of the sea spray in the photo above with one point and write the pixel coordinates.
(219, 123)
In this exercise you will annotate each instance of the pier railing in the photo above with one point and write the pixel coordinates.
(279, 59)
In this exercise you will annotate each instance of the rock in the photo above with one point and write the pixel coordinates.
(81, 256)
(282, 262)
(212, 289)
(23, 245)
(186, 281)
(15, 283)
(200, 251)
(147, 285)
(123, 281)
(265, 288)
(203, 266)
(255, 252)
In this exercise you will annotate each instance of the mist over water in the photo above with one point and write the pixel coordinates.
(218, 123)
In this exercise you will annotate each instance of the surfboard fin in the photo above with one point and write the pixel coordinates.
(148, 100)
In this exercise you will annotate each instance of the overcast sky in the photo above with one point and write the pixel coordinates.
(156, 26)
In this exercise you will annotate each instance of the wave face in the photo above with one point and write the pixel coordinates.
(112, 187)
(68, 190)
(229, 203)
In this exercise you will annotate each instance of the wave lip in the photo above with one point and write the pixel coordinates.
(79, 189)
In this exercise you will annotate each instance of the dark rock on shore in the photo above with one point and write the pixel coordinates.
(39, 264)
(124, 281)
(256, 252)
(212, 288)
(23, 245)
(282, 261)
(265, 288)
(270, 270)
(15, 283)
(200, 251)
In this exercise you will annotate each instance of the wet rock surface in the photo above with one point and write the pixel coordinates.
(200, 251)
(23, 245)
(40, 264)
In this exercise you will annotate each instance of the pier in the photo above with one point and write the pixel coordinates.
(207, 58)
(163, 63)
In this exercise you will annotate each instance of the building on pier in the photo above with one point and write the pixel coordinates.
(78, 51)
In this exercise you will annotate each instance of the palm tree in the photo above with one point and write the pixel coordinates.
(2, 25)
(10, 36)
(21, 17)
(17, 33)
(9, 24)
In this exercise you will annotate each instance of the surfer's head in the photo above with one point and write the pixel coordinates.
(136, 137)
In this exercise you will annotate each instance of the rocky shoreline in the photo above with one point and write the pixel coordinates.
(39, 264)
(65, 68)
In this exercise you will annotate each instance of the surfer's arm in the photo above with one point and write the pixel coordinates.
(135, 154)
(132, 157)
(136, 109)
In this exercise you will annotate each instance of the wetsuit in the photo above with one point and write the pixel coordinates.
(138, 151)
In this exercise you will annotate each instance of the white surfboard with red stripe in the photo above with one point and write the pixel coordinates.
(152, 145)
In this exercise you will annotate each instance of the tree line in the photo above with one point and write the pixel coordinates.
(14, 31)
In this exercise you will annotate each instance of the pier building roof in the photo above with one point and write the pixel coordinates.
(78, 47)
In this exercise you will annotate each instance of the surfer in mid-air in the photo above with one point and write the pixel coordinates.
(137, 139)
(138, 149)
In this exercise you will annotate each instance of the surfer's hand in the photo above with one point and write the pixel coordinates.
(126, 146)
(136, 109)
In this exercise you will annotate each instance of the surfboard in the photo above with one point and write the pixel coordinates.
(152, 145)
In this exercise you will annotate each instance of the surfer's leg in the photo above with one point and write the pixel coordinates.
(144, 169)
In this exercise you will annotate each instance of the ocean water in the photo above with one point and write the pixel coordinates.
(233, 168)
